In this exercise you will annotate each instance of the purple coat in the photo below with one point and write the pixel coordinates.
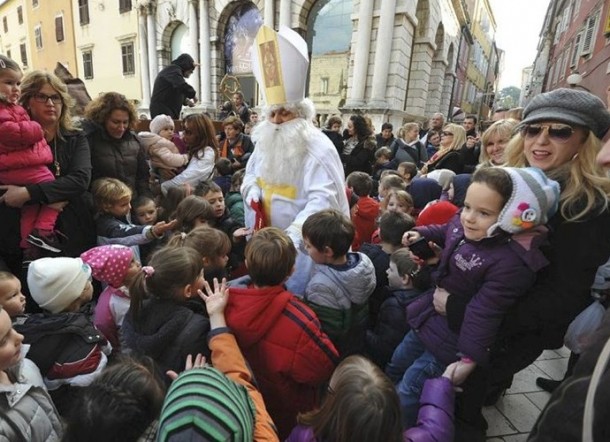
(434, 421)
(487, 276)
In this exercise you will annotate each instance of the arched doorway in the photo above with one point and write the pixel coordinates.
(329, 35)
(242, 26)
(180, 43)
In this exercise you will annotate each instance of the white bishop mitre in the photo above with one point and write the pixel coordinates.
(280, 61)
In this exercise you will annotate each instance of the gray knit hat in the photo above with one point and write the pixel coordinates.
(205, 405)
(570, 106)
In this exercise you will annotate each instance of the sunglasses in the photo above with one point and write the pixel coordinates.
(557, 132)
(447, 134)
(43, 98)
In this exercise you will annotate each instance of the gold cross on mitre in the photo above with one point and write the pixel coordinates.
(280, 62)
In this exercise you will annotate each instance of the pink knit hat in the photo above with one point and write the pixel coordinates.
(109, 264)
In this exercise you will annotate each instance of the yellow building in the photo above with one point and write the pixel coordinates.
(51, 35)
(106, 41)
(14, 33)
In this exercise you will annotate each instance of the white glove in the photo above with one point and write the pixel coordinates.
(254, 194)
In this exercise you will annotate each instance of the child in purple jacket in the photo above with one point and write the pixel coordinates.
(358, 390)
(490, 257)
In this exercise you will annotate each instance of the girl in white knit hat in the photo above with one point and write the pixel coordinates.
(483, 268)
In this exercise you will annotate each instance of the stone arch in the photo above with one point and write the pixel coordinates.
(165, 53)
(224, 11)
(422, 13)
(437, 73)
(448, 81)
(329, 54)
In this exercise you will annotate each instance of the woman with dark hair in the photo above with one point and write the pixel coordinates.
(237, 146)
(115, 149)
(359, 149)
(200, 139)
(47, 101)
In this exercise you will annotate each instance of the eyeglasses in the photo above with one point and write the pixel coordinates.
(447, 134)
(557, 132)
(43, 98)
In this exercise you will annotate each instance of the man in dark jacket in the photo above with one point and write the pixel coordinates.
(171, 90)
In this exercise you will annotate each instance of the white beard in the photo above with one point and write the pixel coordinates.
(282, 149)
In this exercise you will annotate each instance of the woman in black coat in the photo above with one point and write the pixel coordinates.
(359, 149)
(46, 99)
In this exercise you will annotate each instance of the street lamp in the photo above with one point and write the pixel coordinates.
(574, 80)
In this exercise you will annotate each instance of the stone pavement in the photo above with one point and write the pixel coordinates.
(511, 419)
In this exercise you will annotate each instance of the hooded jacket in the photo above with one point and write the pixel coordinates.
(162, 153)
(365, 220)
(171, 89)
(282, 340)
(24, 153)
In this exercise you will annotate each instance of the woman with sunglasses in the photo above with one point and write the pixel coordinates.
(115, 149)
(46, 99)
(200, 139)
(453, 137)
(560, 134)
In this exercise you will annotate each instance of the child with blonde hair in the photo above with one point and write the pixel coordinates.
(113, 200)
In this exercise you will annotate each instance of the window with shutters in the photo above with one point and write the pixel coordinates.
(576, 52)
(38, 36)
(557, 66)
(5, 24)
(59, 28)
(589, 36)
(83, 12)
(24, 54)
(124, 6)
(19, 15)
(88, 64)
(128, 59)
(549, 78)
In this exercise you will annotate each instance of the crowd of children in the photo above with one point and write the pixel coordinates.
(124, 357)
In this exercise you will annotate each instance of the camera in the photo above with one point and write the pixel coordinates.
(422, 249)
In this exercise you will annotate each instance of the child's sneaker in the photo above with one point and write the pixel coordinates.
(46, 239)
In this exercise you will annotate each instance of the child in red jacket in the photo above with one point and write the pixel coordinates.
(365, 212)
(279, 335)
(24, 155)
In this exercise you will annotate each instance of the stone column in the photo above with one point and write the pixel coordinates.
(269, 13)
(151, 33)
(419, 78)
(144, 73)
(361, 56)
(435, 87)
(286, 13)
(383, 49)
(194, 40)
(205, 50)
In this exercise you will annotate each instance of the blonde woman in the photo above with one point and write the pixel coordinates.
(494, 141)
(407, 146)
(453, 138)
(560, 134)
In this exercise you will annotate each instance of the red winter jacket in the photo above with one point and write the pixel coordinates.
(365, 220)
(24, 153)
(282, 341)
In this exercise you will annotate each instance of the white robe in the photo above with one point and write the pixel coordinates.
(320, 186)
